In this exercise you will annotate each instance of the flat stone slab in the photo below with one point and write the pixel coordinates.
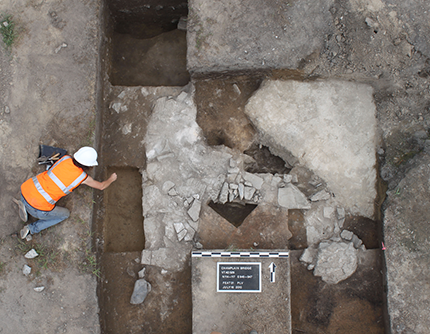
(327, 126)
(267, 311)
(235, 34)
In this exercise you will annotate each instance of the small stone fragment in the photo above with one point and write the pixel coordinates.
(288, 178)
(356, 241)
(255, 180)
(39, 288)
(249, 192)
(346, 235)
(141, 290)
(182, 24)
(167, 186)
(233, 163)
(31, 254)
(141, 273)
(340, 213)
(236, 89)
(223, 196)
(233, 186)
(198, 245)
(26, 270)
(308, 255)
(194, 211)
(328, 211)
(172, 192)
(291, 197)
(116, 106)
(6, 110)
(182, 234)
(322, 195)
(178, 227)
(241, 191)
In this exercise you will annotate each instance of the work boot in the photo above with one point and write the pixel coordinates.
(24, 232)
(21, 210)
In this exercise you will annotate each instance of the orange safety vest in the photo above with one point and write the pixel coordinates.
(45, 189)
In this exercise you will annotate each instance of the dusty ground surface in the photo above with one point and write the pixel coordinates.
(50, 94)
(51, 97)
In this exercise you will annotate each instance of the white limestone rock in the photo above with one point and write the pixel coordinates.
(346, 235)
(223, 196)
(329, 127)
(194, 210)
(291, 197)
(336, 261)
(31, 254)
(322, 195)
(253, 179)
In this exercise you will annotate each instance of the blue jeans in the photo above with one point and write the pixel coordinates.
(46, 218)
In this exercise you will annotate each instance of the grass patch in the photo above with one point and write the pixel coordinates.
(47, 258)
(89, 265)
(7, 30)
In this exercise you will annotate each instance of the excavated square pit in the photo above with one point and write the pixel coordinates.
(147, 48)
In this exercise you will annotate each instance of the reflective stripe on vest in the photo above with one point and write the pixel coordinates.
(56, 180)
(42, 192)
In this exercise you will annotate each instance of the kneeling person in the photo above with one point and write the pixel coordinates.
(40, 193)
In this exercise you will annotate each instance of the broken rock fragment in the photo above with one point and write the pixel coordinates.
(291, 197)
(194, 211)
(141, 290)
(336, 261)
(223, 196)
(322, 195)
(31, 254)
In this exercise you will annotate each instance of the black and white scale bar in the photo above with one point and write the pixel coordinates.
(241, 254)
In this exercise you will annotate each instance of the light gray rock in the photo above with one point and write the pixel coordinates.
(141, 273)
(26, 270)
(241, 191)
(255, 180)
(178, 227)
(291, 197)
(194, 211)
(249, 192)
(330, 127)
(182, 234)
(328, 212)
(223, 196)
(356, 241)
(172, 192)
(309, 255)
(340, 213)
(146, 257)
(141, 290)
(31, 254)
(346, 235)
(288, 178)
(336, 261)
(182, 24)
(322, 195)
(167, 186)
(39, 288)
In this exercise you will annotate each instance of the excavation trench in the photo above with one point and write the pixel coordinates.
(144, 61)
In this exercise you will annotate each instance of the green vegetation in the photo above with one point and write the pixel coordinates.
(90, 263)
(47, 258)
(7, 30)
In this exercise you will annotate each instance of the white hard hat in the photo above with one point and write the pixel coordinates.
(86, 156)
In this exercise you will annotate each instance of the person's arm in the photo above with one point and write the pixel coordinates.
(89, 181)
